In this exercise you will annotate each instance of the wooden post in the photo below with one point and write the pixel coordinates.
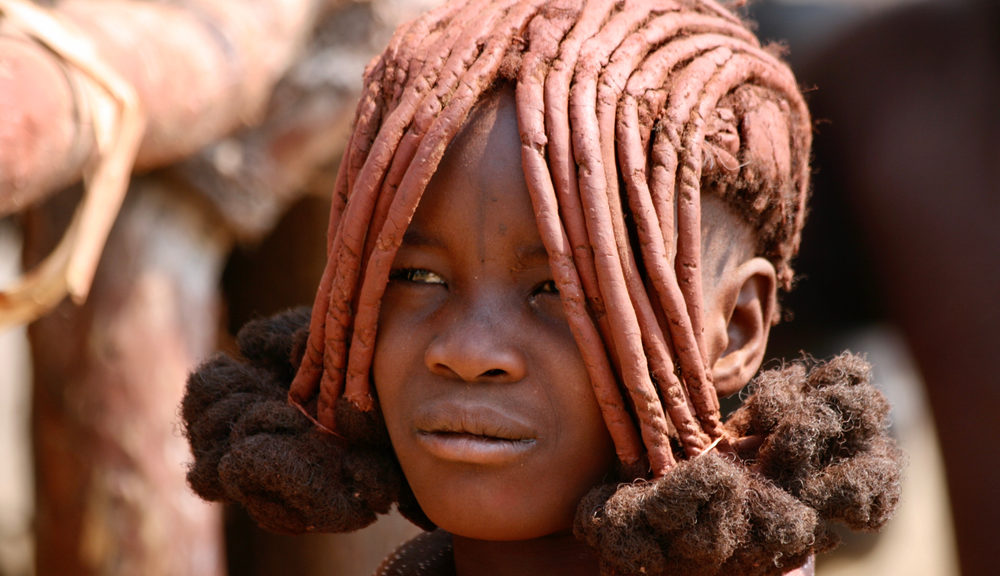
(109, 454)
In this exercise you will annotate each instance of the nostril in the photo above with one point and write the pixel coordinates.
(442, 368)
(457, 355)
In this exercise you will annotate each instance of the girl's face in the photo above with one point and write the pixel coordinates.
(484, 393)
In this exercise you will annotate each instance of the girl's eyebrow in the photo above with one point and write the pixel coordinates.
(530, 254)
(417, 239)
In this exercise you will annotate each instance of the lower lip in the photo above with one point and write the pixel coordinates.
(472, 449)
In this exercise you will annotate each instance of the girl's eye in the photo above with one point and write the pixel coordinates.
(416, 276)
(547, 287)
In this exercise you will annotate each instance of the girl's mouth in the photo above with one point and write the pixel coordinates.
(474, 434)
(471, 448)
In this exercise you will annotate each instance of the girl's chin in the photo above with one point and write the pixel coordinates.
(513, 533)
(477, 523)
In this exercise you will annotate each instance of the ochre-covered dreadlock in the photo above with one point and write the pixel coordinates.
(626, 110)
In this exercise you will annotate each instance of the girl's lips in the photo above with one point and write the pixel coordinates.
(472, 448)
(477, 434)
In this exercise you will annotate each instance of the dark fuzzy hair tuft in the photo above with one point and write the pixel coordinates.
(252, 447)
(708, 516)
(272, 344)
(825, 456)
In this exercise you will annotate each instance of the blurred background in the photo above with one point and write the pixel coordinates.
(900, 260)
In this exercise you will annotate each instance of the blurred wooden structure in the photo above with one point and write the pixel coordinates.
(246, 106)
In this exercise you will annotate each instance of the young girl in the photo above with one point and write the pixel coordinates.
(557, 236)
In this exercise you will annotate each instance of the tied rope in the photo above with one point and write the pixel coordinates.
(110, 104)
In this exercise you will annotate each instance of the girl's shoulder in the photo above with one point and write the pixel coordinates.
(427, 554)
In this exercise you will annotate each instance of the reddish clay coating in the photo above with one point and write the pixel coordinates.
(615, 265)
(531, 105)
(562, 167)
(612, 81)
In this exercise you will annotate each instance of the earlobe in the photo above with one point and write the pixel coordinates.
(748, 298)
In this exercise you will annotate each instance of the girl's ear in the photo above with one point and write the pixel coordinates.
(745, 304)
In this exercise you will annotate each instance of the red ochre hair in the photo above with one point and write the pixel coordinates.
(626, 111)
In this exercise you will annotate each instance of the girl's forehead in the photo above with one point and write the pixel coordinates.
(478, 191)
(492, 122)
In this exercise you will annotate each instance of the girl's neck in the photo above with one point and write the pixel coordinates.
(551, 555)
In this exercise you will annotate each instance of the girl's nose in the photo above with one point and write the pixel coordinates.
(478, 346)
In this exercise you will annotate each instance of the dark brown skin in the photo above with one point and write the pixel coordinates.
(473, 338)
